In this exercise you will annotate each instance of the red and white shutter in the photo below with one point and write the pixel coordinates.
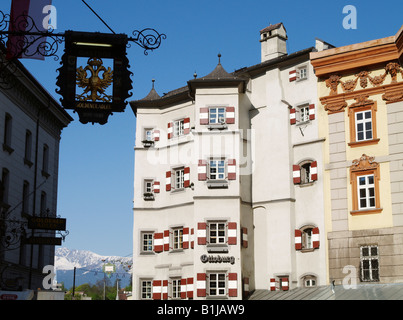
(156, 135)
(292, 75)
(166, 240)
(311, 112)
(183, 288)
(244, 237)
(158, 242)
(231, 233)
(189, 288)
(185, 238)
(293, 118)
(168, 181)
(232, 284)
(192, 238)
(202, 170)
(157, 289)
(231, 169)
(284, 284)
(170, 130)
(201, 284)
(314, 171)
(230, 115)
(204, 116)
(201, 233)
(186, 172)
(296, 174)
(186, 125)
(298, 239)
(272, 284)
(245, 287)
(315, 238)
(156, 186)
(165, 290)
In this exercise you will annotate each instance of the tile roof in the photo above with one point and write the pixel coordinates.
(271, 27)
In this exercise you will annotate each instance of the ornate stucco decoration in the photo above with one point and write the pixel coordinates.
(364, 163)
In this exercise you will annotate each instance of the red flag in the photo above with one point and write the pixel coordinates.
(27, 16)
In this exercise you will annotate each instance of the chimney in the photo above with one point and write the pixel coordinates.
(273, 41)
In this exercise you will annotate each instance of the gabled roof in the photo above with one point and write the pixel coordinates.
(272, 27)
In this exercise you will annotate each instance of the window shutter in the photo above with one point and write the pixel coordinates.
(202, 170)
(165, 289)
(170, 130)
(186, 182)
(201, 284)
(230, 115)
(201, 233)
(232, 284)
(189, 288)
(244, 237)
(183, 288)
(298, 239)
(156, 186)
(293, 119)
(156, 289)
(296, 174)
(314, 171)
(311, 112)
(168, 181)
(186, 125)
(231, 169)
(292, 75)
(284, 284)
(315, 238)
(166, 240)
(156, 135)
(204, 116)
(158, 242)
(231, 233)
(245, 287)
(192, 237)
(272, 284)
(185, 238)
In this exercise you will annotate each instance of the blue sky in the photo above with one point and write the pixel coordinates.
(96, 162)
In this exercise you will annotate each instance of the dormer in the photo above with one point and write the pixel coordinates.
(273, 41)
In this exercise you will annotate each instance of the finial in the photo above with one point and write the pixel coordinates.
(195, 75)
(219, 58)
(153, 80)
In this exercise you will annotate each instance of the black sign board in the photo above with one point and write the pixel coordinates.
(44, 241)
(88, 85)
(46, 223)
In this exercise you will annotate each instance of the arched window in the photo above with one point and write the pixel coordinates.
(305, 172)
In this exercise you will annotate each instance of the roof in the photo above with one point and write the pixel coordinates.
(272, 27)
(390, 291)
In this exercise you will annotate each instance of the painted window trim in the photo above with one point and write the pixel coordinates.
(352, 110)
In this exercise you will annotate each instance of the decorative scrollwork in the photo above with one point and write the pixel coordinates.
(148, 39)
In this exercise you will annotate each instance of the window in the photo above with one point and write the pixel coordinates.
(217, 170)
(217, 115)
(176, 289)
(217, 233)
(303, 113)
(25, 197)
(177, 238)
(148, 134)
(7, 133)
(306, 172)
(217, 284)
(45, 160)
(309, 281)
(369, 260)
(362, 116)
(179, 178)
(4, 186)
(302, 73)
(146, 289)
(28, 148)
(147, 241)
(43, 204)
(364, 179)
(179, 127)
(307, 238)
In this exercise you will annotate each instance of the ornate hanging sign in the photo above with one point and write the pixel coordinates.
(94, 79)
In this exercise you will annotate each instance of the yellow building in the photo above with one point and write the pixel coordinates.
(360, 90)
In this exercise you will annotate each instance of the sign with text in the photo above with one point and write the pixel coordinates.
(47, 223)
(44, 241)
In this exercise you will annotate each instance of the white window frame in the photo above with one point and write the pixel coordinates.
(302, 73)
(148, 189)
(303, 112)
(366, 187)
(178, 178)
(213, 277)
(147, 241)
(176, 288)
(218, 113)
(305, 170)
(148, 134)
(370, 258)
(364, 121)
(218, 163)
(177, 238)
(146, 284)
(217, 230)
(178, 127)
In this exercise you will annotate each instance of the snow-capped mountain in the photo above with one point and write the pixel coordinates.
(89, 267)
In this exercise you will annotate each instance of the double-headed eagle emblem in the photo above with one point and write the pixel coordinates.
(94, 85)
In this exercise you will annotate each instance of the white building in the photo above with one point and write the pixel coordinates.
(31, 122)
(228, 193)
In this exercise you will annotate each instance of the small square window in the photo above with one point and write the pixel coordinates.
(147, 242)
(217, 115)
